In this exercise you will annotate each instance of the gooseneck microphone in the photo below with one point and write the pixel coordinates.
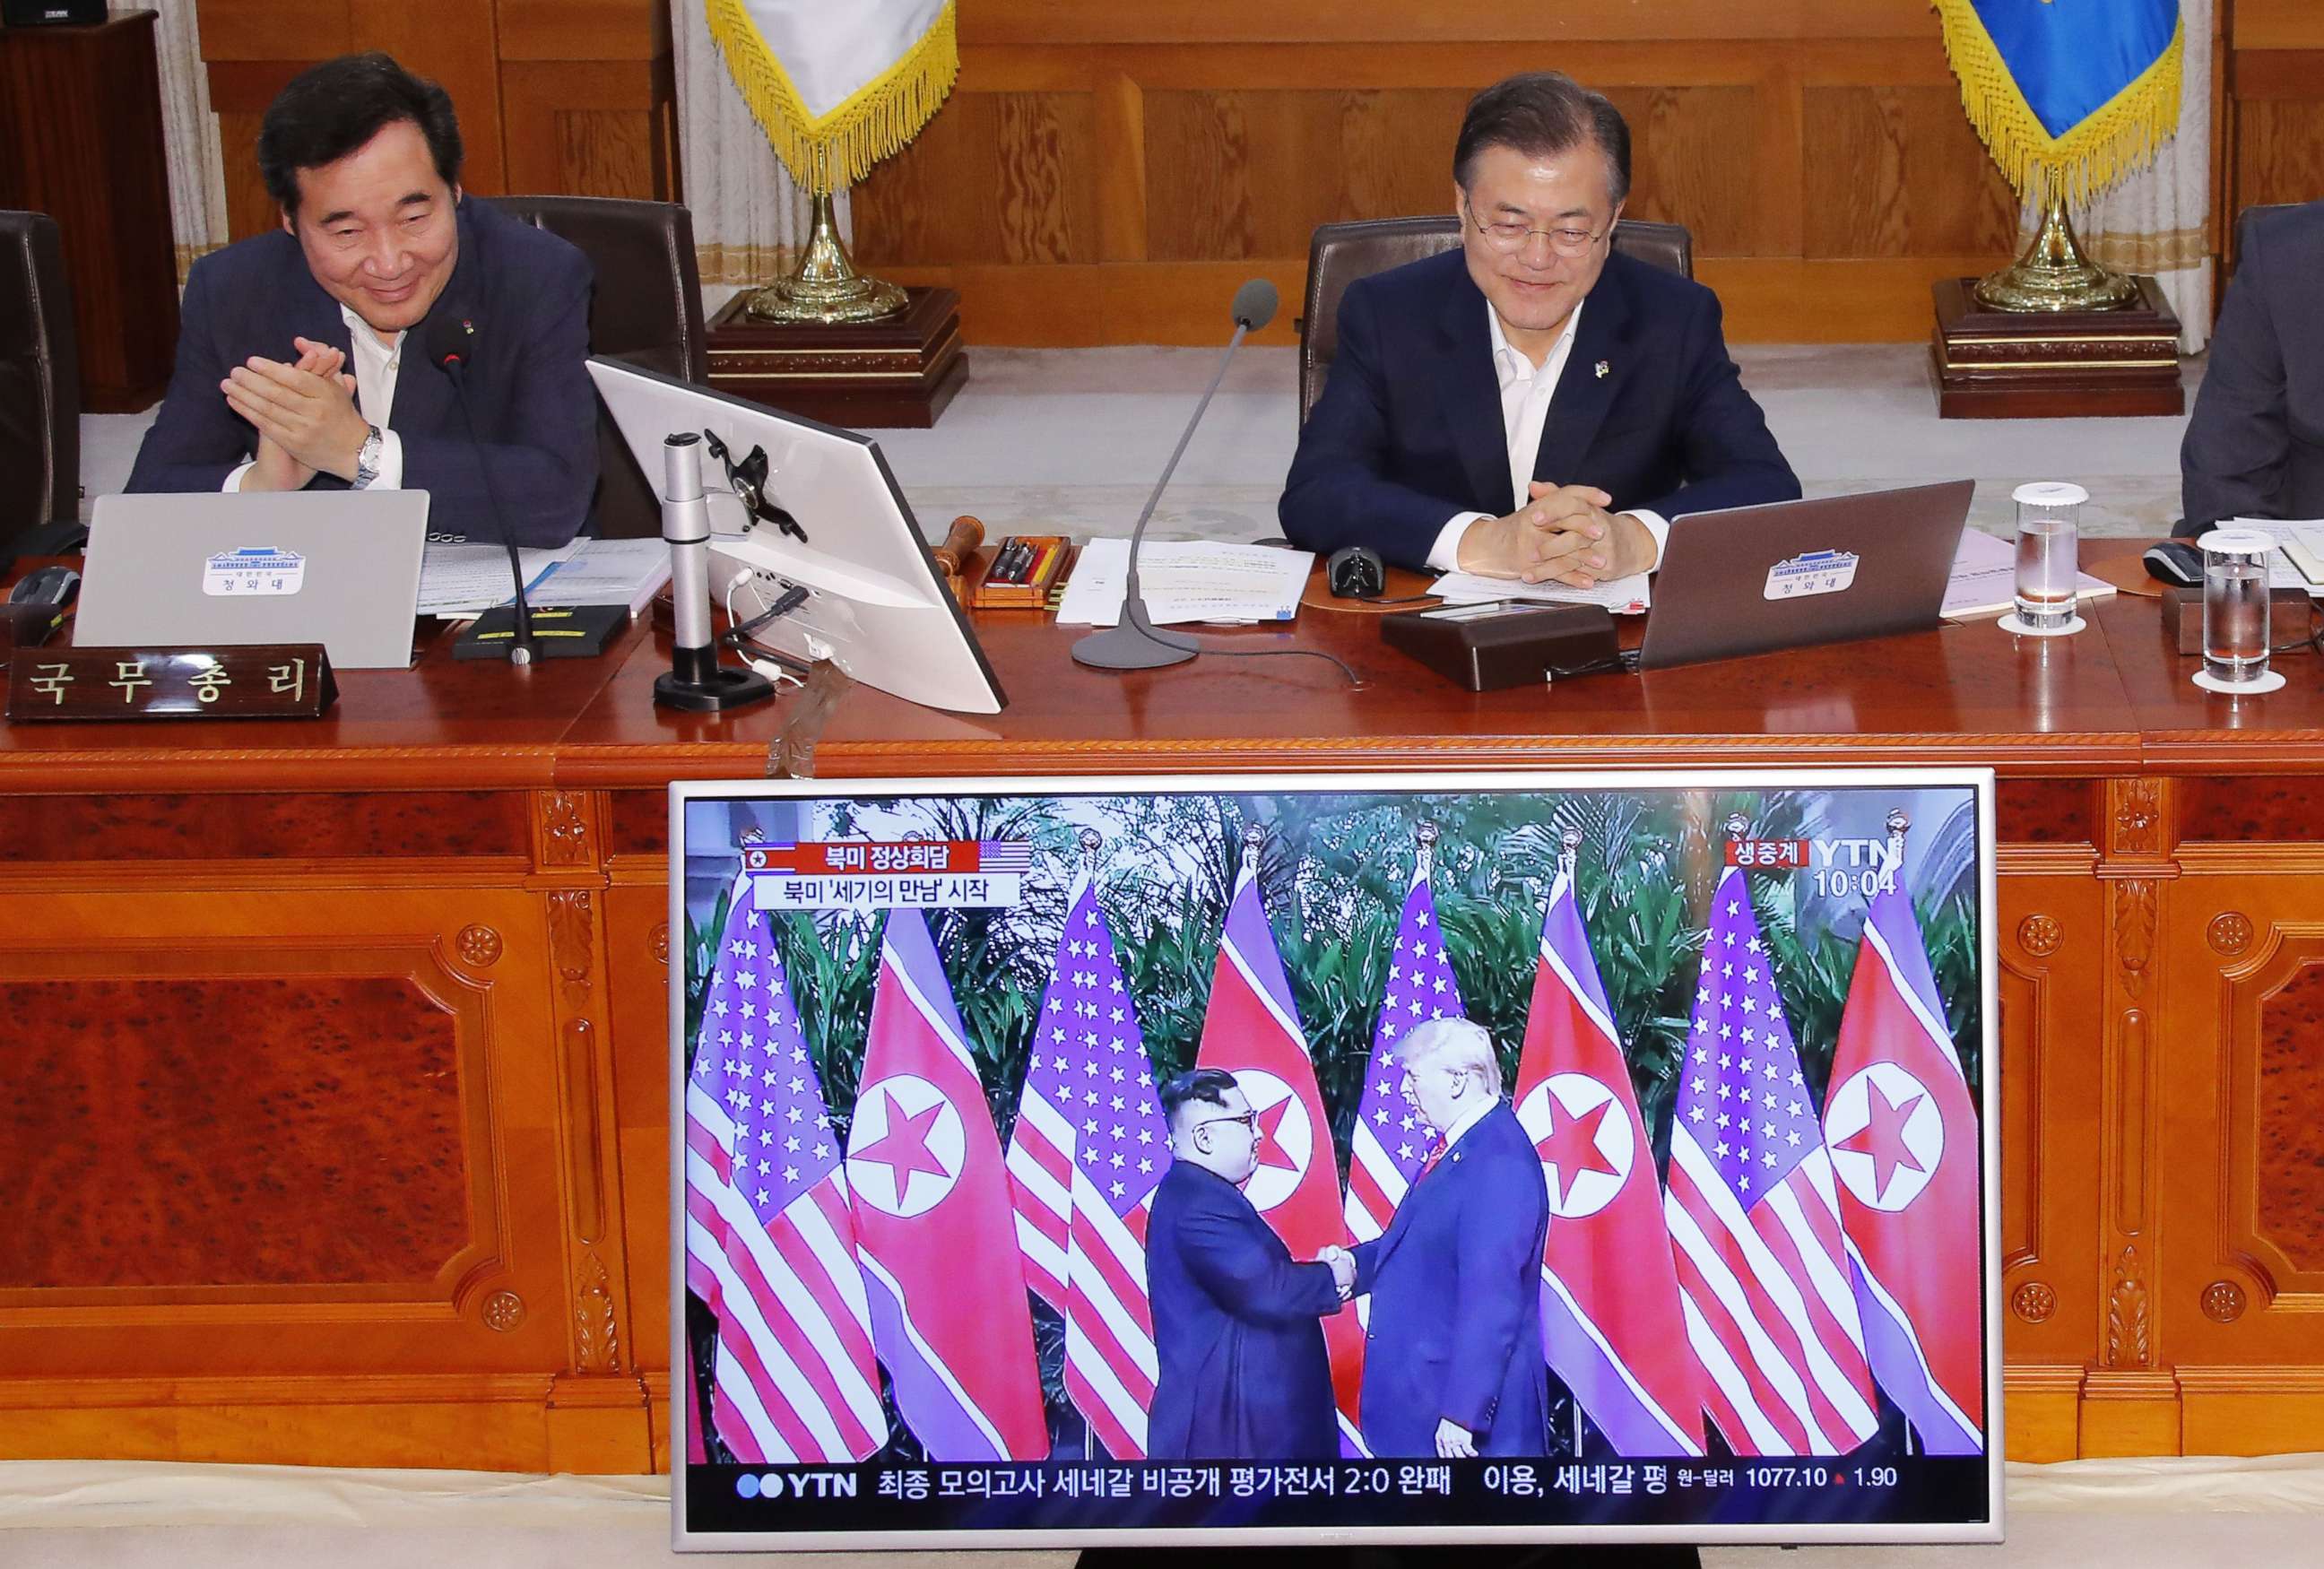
(443, 343)
(1133, 643)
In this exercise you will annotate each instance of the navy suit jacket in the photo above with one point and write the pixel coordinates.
(1237, 1331)
(2254, 444)
(526, 291)
(1408, 430)
(1455, 1284)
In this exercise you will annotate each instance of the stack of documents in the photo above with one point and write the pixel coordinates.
(1622, 596)
(1187, 580)
(1984, 581)
(458, 580)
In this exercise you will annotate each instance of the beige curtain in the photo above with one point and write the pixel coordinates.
(189, 132)
(2158, 221)
(749, 219)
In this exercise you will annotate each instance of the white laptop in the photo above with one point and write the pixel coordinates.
(336, 568)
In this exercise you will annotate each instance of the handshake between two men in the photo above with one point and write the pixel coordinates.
(1450, 1344)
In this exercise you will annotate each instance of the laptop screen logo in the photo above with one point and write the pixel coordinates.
(1817, 572)
(253, 572)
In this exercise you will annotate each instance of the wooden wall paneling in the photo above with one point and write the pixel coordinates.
(2276, 25)
(1695, 159)
(994, 177)
(348, 1112)
(640, 953)
(2243, 1288)
(454, 42)
(267, 30)
(1898, 172)
(583, 28)
(589, 128)
(1157, 21)
(2052, 924)
(1119, 111)
(240, 91)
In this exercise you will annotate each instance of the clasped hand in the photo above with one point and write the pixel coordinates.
(1564, 534)
(1343, 1270)
(305, 414)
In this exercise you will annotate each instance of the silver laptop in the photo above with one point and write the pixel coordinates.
(1752, 579)
(336, 568)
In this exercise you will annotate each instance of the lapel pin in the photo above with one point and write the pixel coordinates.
(1604, 370)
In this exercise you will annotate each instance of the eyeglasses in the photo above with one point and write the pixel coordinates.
(1250, 1121)
(1508, 236)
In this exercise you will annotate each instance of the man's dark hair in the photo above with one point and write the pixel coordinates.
(1207, 1084)
(331, 109)
(1539, 113)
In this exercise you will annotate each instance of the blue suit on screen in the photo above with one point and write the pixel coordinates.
(1455, 1285)
(1237, 1331)
(1408, 431)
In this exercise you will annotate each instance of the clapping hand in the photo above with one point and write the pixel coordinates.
(304, 412)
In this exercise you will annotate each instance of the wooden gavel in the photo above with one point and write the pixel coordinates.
(953, 556)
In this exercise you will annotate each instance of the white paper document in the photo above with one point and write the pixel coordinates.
(461, 580)
(1187, 580)
(2299, 558)
(1623, 595)
(1984, 580)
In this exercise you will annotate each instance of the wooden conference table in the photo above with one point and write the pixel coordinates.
(332, 1053)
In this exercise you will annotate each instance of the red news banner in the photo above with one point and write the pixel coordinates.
(876, 874)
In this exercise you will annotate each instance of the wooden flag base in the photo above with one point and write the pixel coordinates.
(2001, 364)
(900, 372)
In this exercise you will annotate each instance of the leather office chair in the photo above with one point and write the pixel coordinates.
(646, 309)
(1340, 253)
(40, 383)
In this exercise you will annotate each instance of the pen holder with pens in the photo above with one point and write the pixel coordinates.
(1020, 573)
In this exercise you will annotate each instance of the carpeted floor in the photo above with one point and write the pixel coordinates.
(2134, 1514)
(1071, 440)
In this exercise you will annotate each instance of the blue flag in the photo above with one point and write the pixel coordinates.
(2067, 93)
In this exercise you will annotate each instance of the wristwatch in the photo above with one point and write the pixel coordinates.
(367, 460)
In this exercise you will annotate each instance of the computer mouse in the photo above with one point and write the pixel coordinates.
(2174, 561)
(1353, 572)
(47, 585)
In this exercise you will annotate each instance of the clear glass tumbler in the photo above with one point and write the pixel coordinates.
(2049, 536)
(2236, 612)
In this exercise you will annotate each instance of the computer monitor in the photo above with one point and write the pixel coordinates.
(831, 523)
(1657, 1112)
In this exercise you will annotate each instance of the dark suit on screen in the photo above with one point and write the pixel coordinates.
(526, 292)
(1408, 431)
(1455, 1285)
(1244, 1372)
(2254, 444)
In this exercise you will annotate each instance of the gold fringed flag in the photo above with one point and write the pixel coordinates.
(2067, 95)
(838, 85)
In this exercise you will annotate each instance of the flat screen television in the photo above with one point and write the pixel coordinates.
(1520, 1157)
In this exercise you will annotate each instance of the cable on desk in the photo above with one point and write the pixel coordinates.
(1353, 678)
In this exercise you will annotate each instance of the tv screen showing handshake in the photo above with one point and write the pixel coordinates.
(1523, 1156)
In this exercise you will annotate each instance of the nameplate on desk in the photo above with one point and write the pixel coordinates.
(259, 681)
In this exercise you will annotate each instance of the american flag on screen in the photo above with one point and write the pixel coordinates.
(769, 1243)
(1089, 1148)
(1755, 1217)
(1391, 1141)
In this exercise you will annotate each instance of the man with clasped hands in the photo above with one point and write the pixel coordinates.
(299, 359)
(1244, 1372)
(1533, 405)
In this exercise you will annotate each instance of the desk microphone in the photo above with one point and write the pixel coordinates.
(1133, 644)
(443, 343)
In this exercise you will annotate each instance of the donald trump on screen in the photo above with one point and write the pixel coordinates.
(1453, 1362)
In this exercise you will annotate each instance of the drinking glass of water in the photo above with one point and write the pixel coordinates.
(2048, 534)
(2236, 612)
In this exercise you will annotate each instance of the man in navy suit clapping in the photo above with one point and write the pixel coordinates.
(1533, 405)
(1453, 1360)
